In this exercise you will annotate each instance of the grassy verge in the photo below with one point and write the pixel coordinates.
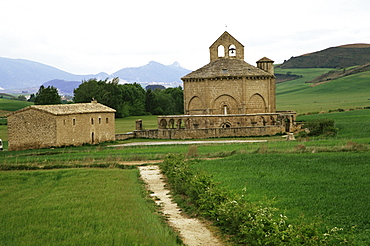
(78, 207)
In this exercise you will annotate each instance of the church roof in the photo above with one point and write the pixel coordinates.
(64, 109)
(265, 59)
(226, 68)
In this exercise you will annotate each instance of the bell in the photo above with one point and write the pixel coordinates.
(232, 50)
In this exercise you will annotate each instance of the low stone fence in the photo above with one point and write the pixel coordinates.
(207, 133)
(124, 136)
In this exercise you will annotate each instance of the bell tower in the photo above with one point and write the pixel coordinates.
(226, 46)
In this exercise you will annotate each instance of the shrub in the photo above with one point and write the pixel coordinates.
(321, 127)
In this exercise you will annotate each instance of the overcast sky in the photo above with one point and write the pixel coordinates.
(89, 36)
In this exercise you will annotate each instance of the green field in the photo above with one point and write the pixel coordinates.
(351, 124)
(319, 166)
(346, 93)
(7, 105)
(78, 207)
(331, 187)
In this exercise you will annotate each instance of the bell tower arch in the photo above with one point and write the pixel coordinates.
(231, 48)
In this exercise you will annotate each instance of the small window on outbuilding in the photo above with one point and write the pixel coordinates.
(106, 120)
(92, 121)
(99, 120)
(74, 122)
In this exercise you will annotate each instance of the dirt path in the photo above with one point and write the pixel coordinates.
(187, 142)
(192, 231)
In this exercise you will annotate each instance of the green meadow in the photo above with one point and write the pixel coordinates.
(349, 92)
(79, 207)
(330, 187)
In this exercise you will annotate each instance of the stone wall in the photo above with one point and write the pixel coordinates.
(89, 128)
(238, 94)
(226, 121)
(31, 129)
(209, 133)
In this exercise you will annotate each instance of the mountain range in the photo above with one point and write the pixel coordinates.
(30, 75)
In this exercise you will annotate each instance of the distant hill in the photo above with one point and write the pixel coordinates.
(64, 87)
(20, 73)
(335, 57)
(25, 74)
(336, 74)
(153, 72)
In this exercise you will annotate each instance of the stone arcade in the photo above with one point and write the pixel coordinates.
(225, 98)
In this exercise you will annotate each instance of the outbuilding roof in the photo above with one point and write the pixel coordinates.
(65, 109)
(226, 68)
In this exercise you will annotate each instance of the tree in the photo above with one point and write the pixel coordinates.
(168, 101)
(127, 99)
(21, 98)
(32, 98)
(48, 95)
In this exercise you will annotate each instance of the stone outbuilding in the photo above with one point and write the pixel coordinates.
(43, 126)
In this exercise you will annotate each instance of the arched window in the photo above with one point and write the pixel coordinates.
(163, 124)
(226, 125)
(225, 109)
(221, 51)
(232, 51)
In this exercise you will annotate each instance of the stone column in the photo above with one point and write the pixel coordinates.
(139, 125)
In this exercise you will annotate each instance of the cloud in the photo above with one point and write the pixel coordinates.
(82, 36)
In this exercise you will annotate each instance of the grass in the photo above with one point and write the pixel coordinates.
(8, 105)
(352, 124)
(329, 186)
(127, 124)
(78, 207)
(347, 92)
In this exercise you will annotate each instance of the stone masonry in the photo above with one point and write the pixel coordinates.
(43, 126)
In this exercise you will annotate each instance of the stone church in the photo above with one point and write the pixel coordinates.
(229, 85)
(226, 98)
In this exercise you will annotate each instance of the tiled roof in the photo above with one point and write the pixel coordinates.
(64, 109)
(265, 59)
(226, 68)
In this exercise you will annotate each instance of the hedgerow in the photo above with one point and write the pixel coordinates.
(245, 222)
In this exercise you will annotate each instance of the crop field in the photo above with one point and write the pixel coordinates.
(78, 207)
(331, 187)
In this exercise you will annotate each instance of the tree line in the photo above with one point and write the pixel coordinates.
(126, 99)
